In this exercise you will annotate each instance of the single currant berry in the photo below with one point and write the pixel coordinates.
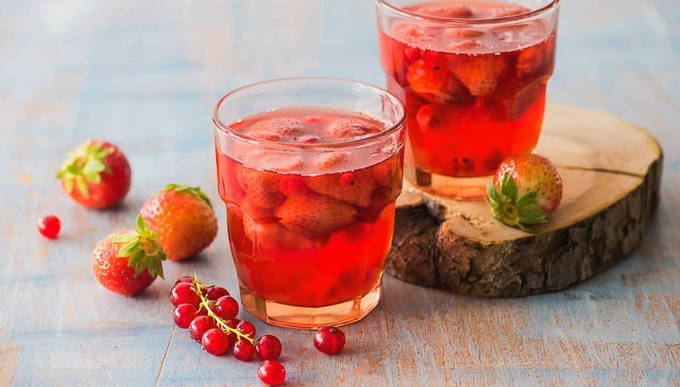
(49, 226)
(184, 314)
(216, 292)
(268, 347)
(186, 278)
(226, 307)
(243, 350)
(184, 293)
(347, 179)
(329, 340)
(272, 372)
(247, 328)
(199, 326)
(232, 323)
(215, 342)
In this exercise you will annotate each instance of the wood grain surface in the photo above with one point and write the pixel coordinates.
(144, 74)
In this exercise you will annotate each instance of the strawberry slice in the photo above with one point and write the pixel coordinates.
(274, 236)
(315, 215)
(331, 160)
(480, 73)
(262, 187)
(350, 127)
(357, 192)
(515, 105)
(276, 129)
(435, 83)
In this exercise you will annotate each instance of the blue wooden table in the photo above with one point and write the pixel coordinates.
(144, 75)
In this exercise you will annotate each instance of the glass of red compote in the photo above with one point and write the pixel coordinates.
(472, 75)
(309, 170)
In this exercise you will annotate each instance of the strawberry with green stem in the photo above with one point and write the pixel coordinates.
(128, 261)
(525, 190)
(183, 218)
(96, 175)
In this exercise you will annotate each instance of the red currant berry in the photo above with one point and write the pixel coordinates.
(272, 372)
(199, 326)
(183, 293)
(184, 314)
(247, 328)
(185, 278)
(216, 292)
(329, 340)
(49, 226)
(226, 307)
(232, 323)
(215, 342)
(268, 347)
(243, 350)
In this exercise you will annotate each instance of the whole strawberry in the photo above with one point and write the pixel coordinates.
(183, 218)
(525, 190)
(128, 261)
(96, 175)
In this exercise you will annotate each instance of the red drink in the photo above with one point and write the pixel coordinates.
(473, 77)
(310, 211)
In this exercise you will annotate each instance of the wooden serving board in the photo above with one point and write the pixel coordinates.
(612, 173)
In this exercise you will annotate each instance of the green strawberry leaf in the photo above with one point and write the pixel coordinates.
(85, 165)
(142, 249)
(193, 191)
(509, 188)
(527, 200)
(522, 213)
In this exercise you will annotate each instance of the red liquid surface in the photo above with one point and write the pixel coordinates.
(305, 228)
(473, 95)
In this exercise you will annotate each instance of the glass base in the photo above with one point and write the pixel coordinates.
(459, 188)
(302, 317)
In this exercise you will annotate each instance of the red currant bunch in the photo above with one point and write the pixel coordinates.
(209, 313)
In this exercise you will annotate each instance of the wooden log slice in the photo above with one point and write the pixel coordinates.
(611, 171)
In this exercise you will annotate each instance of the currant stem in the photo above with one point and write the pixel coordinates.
(205, 303)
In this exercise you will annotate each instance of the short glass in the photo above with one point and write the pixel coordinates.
(472, 75)
(310, 219)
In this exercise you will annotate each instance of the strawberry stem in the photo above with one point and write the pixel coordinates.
(207, 304)
(517, 211)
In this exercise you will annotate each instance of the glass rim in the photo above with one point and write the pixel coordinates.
(225, 128)
(461, 20)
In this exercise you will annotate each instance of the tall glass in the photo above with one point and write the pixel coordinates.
(473, 76)
(309, 170)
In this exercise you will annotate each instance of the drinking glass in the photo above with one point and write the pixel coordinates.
(472, 75)
(310, 218)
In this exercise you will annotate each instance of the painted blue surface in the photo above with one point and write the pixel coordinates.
(145, 75)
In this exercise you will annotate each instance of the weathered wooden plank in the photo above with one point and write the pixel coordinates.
(145, 74)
